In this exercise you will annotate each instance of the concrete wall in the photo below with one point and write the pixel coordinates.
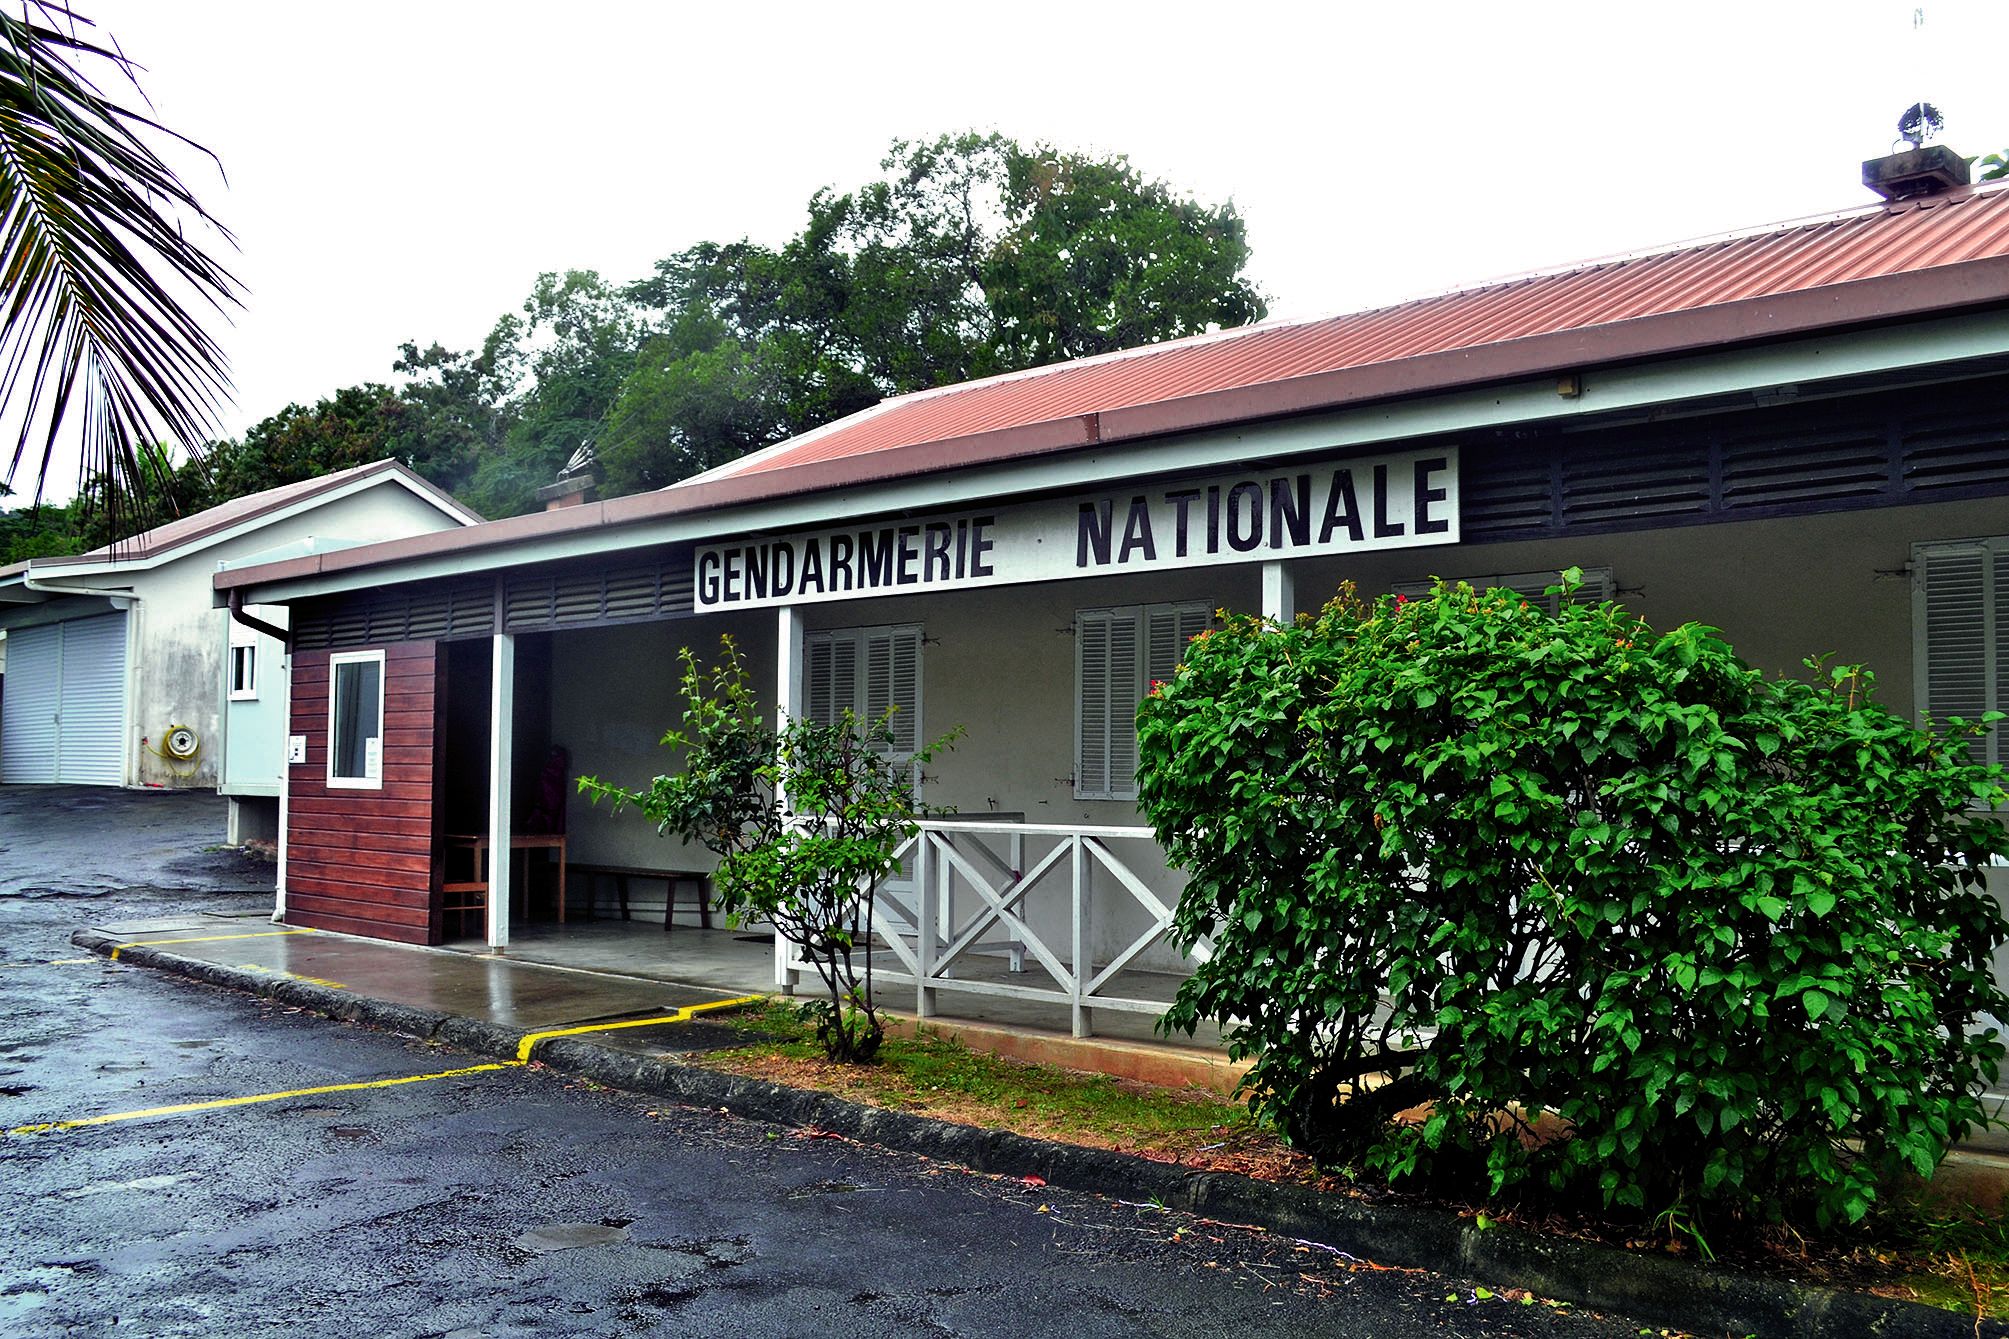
(177, 674)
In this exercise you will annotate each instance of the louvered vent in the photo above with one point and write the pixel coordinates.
(1763, 470)
(1508, 496)
(1604, 483)
(1956, 451)
(579, 597)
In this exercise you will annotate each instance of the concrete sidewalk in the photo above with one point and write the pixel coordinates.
(505, 998)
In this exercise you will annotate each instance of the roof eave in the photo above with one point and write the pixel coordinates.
(1879, 300)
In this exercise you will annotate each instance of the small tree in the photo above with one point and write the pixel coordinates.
(810, 864)
(1623, 915)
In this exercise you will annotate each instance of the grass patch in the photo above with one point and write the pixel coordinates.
(1956, 1260)
(934, 1074)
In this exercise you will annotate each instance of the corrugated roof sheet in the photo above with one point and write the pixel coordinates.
(1878, 241)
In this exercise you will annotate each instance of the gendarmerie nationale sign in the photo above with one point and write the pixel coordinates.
(1350, 506)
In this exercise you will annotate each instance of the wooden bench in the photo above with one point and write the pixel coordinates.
(670, 878)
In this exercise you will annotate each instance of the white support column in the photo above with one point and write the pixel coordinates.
(1083, 1019)
(285, 781)
(787, 704)
(501, 750)
(924, 925)
(1279, 593)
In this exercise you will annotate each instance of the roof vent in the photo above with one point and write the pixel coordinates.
(1916, 167)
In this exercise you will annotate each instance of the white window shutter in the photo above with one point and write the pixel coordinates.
(1091, 646)
(1962, 616)
(893, 681)
(1172, 628)
(830, 675)
(1126, 689)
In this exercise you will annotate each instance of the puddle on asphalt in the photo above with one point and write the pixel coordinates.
(568, 1236)
(112, 1187)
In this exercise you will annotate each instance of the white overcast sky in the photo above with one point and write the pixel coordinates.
(404, 170)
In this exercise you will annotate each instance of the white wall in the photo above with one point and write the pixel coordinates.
(179, 638)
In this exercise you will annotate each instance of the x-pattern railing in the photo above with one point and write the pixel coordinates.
(973, 893)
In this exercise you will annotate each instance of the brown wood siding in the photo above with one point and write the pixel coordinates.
(365, 861)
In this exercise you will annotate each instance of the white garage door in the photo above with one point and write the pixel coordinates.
(28, 711)
(63, 718)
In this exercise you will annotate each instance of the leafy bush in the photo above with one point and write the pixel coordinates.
(1602, 910)
(808, 865)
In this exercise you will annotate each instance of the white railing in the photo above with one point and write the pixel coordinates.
(972, 916)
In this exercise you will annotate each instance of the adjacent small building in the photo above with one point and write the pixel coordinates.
(122, 672)
(1798, 434)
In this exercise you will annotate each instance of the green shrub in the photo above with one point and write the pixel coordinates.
(807, 864)
(1719, 936)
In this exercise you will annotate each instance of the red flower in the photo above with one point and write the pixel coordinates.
(1156, 684)
(1401, 600)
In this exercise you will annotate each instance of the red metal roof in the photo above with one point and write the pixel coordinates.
(1918, 259)
(1878, 241)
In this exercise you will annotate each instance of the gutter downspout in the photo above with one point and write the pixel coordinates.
(284, 637)
(256, 624)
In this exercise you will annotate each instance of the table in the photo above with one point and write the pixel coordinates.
(477, 843)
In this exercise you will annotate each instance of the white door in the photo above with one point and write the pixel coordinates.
(63, 719)
(28, 712)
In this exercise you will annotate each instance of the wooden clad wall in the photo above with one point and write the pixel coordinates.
(361, 861)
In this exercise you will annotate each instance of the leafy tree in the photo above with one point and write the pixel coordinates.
(354, 426)
(38, 532)
(99, 335)
(807, 864)
(1626, 917)
(974, 255)
(576, 345)
(456, 406)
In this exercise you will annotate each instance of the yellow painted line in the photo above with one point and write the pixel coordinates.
(683, 1015)
(290, 976)
(52, 962)
(204, 939)
(217, 1103)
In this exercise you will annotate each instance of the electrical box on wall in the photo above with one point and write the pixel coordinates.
(296, 748)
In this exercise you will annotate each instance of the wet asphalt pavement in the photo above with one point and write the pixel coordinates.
(511, 1202)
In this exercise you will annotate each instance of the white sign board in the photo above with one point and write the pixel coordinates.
(296, 748)
(1404, 500)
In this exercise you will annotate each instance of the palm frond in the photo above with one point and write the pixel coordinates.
(100, 288)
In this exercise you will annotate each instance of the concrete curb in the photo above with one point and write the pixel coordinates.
(1650, 1288)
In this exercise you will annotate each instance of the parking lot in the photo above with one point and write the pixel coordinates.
(398, 1188)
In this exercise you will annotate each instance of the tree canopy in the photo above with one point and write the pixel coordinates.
(972, 255)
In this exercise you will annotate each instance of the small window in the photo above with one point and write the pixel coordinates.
(1597, 586)
(243, 673)
(1119, 653)
(356, 720)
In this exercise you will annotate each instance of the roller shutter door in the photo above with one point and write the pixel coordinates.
(34, 696)
(90, 750)
(64, 717)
